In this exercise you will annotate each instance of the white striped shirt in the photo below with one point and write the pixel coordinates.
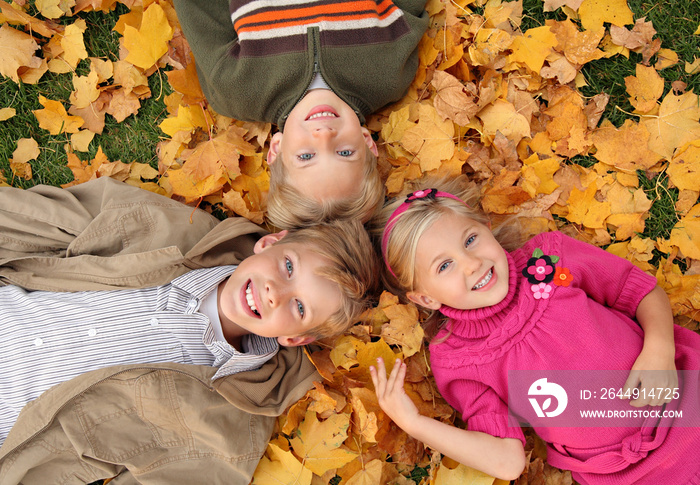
(47, 338)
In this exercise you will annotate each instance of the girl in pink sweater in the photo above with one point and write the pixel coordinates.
(556, 305)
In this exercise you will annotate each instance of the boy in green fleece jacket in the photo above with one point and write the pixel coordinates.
(315, 69)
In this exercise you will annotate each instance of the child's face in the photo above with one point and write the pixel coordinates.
(277, 293)
(323, 146)
(459, 264)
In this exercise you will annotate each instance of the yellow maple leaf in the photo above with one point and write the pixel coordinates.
(318, 443)
(645, 88)
(53, 9)
(184, 184)
(8, 14)
(538, 175)
(594, 13)
(462, 475)
(16, 51)
(533, 47)
(682, 290)
(54, 118)
(73, 44)
(188, 118)
(487, 46)
(675, 125)
(85, 90)
(501, 116)
(665, 58)
(403, 328)
(27, 149)
(150, 42)
(282, 468)
(7, 113)
(624, 148)
(371, 473)
(684, 169)
(430, 141)
(585, 209)
(685, 235)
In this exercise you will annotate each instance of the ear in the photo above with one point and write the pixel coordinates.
(369, 141)
(423, 300)
(268, 240)
(275, 145)
(295, 341)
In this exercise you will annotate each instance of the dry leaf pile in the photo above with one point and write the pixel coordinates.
(490, 100)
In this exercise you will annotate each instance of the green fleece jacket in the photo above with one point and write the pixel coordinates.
(368, 61)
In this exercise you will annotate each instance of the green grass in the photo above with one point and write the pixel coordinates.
(133, 140)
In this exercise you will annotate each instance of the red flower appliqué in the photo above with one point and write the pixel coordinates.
(563, 277)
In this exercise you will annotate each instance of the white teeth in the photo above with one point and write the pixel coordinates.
(321, 115)
(483, 282)
(250, 300)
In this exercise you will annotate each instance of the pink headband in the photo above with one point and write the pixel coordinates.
(403, 207)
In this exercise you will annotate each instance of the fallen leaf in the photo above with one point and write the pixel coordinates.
(54, 118)
(675, 125)
(17, 51)
(149, 42)
(645, 88)
(318, 444)
(594, 13)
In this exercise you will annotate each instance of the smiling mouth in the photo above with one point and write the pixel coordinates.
(322, 114)
(484, 281)
(250, 300)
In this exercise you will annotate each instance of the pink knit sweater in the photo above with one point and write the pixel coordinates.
(587, 325)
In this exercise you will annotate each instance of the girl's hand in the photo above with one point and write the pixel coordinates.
(391, 395)
(654, 377)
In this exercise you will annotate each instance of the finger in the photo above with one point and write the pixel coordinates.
(391, 381)
(379, 376)
(631, 383)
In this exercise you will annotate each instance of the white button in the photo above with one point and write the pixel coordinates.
(192, 304)
(92, 332)
(38, 342)
(154, 321)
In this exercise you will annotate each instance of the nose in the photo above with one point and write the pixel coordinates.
(275, 293)
(324, 132)
(469, 263)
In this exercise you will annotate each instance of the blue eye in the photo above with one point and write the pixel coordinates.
(469, 240)
(289, 266)
(443, 266)
(300, 309)
(305, 156)
(346, 153)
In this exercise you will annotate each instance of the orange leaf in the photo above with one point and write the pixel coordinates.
(645, 88)
(53, 117)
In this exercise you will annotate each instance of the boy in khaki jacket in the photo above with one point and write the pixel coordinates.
(109, 410)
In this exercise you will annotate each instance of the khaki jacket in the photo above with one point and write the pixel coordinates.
(150, 424)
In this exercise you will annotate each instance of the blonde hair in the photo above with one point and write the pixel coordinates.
(352, 264)
(422, 213)
(289, 208)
